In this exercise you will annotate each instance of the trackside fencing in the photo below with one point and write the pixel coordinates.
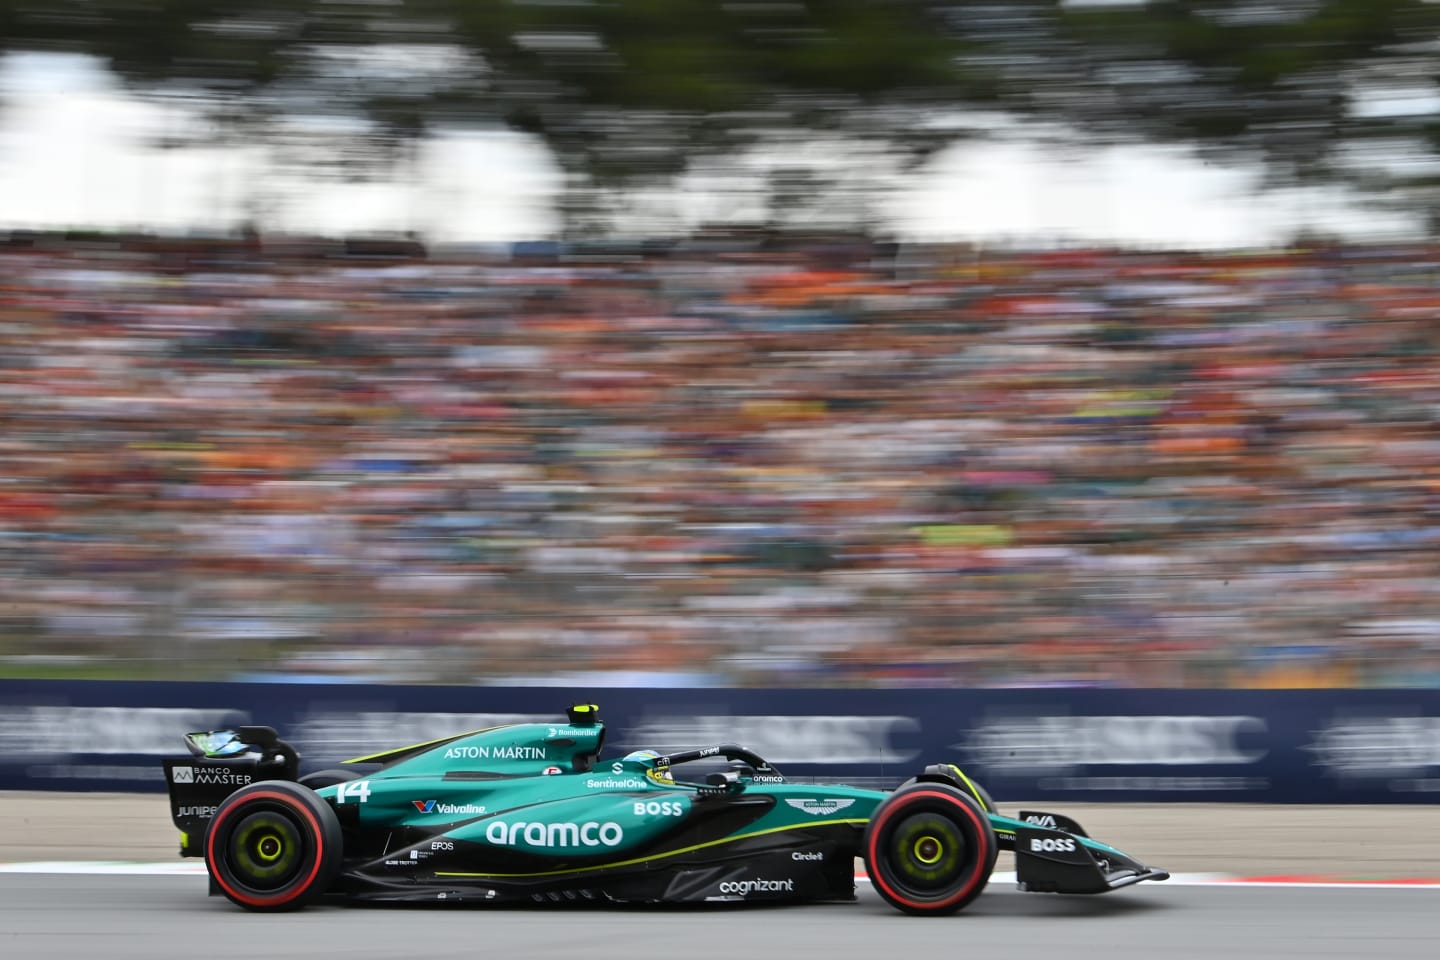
(1289, 746)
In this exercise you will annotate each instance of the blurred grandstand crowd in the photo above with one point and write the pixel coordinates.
(831, 463)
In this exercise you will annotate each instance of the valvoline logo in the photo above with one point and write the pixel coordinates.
(430, 806)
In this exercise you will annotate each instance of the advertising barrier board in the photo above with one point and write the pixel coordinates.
(1286, 746)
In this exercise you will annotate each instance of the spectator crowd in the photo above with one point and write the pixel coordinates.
(721, 462)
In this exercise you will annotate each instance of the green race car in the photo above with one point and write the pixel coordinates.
(530, 813)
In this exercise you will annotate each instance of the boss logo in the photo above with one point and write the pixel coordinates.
(659, 808)
(1046, 845)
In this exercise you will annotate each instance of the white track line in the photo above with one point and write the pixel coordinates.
(1226, 880)
(108, 867)
(196, 868)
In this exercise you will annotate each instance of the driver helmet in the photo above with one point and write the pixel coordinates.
(648, 758)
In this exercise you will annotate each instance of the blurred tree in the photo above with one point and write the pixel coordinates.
(635, 92)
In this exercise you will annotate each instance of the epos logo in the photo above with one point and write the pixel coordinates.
(1047, 845)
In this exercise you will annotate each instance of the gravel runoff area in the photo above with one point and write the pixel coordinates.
(1242, 839)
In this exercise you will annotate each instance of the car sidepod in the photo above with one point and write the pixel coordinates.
(645, 842)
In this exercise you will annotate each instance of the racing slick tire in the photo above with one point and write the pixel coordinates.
(273, 845)
(929, 849)
(327, 778)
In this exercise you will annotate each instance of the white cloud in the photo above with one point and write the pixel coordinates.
(72, 154)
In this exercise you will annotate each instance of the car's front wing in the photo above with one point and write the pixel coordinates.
(1053, 854)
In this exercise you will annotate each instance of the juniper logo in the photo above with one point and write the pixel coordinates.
(820, 808)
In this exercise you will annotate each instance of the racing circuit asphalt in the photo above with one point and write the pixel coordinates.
(154, 918)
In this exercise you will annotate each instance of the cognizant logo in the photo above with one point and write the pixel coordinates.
(746, 887)
(587, 834)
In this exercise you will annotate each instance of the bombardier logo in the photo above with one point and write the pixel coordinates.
(431, 806)
(820, 808)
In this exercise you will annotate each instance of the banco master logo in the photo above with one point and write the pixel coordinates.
(431, 806)
(210, 776)
(820, 808)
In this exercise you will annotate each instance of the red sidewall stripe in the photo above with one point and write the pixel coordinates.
(293, 892)
(975, 877)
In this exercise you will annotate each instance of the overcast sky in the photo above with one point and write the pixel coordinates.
(71, 155)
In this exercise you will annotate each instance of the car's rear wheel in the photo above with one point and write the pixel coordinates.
(929, 849)
(273, 845)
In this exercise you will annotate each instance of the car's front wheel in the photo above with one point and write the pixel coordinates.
(929, 849)
(273, 845)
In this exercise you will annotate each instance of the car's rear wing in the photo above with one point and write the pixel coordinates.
(221, 762)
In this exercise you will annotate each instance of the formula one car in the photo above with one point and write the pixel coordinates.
(527, 812)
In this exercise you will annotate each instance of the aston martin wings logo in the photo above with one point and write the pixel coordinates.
(820, 808)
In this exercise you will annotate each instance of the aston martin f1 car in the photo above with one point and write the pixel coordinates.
(530, 813)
